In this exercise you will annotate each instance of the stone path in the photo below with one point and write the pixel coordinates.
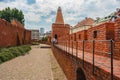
(39, 64)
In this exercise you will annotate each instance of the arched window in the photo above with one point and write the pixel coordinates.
(55, 36)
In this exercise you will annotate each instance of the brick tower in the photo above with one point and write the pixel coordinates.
(59, 28)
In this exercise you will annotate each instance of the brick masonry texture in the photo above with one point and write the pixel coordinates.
(96, 39)
(60, 30)
(12, 35)
(105, 31)
(68, 64)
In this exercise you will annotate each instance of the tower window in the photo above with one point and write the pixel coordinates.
(55, 36)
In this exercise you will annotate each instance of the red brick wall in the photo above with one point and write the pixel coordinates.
(117, 39)
(20, 33)
(7, 34)
(10, 35)
(117, 30)
(81, 35)
(61, 30)
(117, 50)
(68, 64)
(27, 37)
(104, 32)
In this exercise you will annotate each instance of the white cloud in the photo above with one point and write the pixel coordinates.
(73, 10)
(30, 16)
(49, 20)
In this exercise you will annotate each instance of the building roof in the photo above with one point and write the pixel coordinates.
(86, 21)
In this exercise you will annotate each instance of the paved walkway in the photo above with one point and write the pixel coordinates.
(100, 61)
(39, 64)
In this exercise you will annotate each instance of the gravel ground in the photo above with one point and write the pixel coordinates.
(58, 74)
(37, 65)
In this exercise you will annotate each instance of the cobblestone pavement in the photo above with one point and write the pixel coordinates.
(36, 65)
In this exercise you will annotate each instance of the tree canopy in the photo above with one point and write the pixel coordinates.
(44, 39)
(10, 14)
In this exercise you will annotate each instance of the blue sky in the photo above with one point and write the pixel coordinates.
(42, 13)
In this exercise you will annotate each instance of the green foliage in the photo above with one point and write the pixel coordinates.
(44, 38)
(10, 14)
(35, 43)
(12, 52)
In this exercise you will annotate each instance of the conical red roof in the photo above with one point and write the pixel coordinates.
(59, 16)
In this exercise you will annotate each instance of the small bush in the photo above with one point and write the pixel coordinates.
(12, 52)
(35, 43)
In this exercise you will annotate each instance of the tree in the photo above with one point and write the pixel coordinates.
(44, 38)
(10, 14)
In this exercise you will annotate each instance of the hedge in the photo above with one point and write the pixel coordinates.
(35, 43)
(12, 52)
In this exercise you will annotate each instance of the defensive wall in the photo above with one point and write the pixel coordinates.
(12, 34)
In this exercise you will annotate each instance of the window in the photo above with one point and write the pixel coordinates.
(95, 34)
(55, 36)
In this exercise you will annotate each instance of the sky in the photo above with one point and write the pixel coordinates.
(42, 13)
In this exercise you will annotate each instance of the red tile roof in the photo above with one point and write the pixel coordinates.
(86, 21)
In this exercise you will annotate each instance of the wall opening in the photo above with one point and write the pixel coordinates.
(95, 34)
(56, 36)
(80, 74)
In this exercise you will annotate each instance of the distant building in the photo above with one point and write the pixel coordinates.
(42, 30)
(48, 34)
(35, 34)
(41, 36)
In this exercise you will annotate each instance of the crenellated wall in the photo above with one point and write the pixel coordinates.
(69, 65)
(102, 34)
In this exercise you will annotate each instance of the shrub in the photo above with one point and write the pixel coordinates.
(12, 52)
(35, 43)
(15, 51)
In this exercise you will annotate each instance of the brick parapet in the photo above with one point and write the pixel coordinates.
(69, 66)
